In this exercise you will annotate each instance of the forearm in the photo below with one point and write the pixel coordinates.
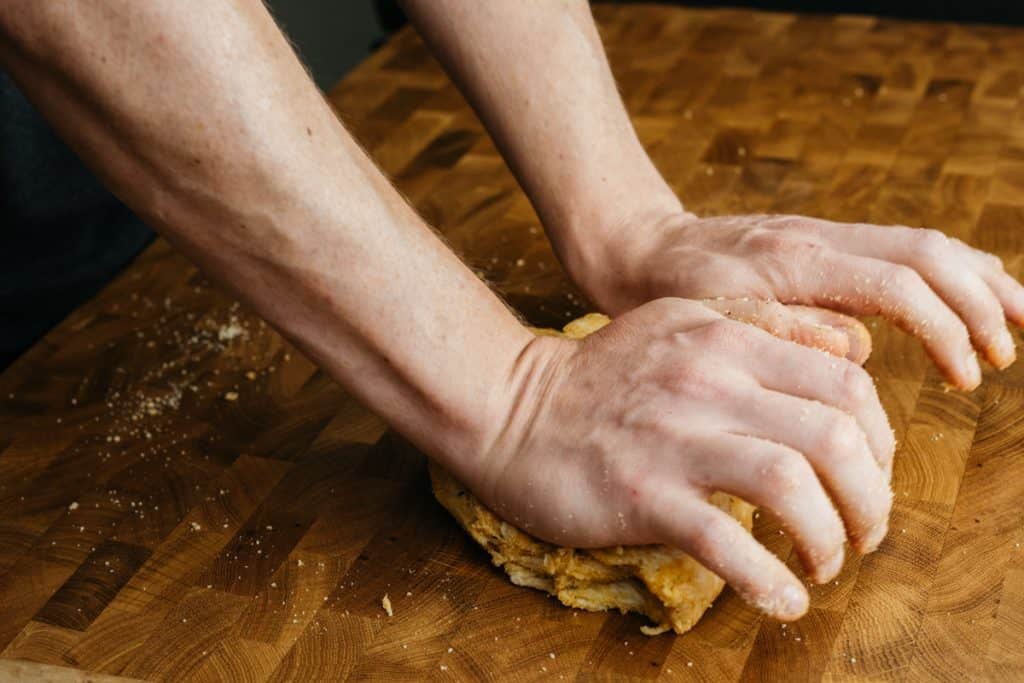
(537, 75)
(199, 116)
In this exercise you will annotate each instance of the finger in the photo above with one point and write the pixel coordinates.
(721, 544)
(978, 307)
(866, 286)
(836, 448)
(806, 373)
(990, 268)
(933, 256)
(795, 324)
(777, 478)
(1009, 293)
(858, 339)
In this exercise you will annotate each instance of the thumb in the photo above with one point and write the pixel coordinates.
(857, 336)
(818, 328)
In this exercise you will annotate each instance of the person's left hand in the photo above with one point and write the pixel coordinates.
(948, 294)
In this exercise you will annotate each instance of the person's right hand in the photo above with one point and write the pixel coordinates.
(621, 437)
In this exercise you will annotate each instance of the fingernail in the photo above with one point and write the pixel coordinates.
(1006, 353)
(795, 600)
(854, 346)
(874, 538)
(831, 568)
(972, 372)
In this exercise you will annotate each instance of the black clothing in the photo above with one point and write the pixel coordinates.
(63, 235)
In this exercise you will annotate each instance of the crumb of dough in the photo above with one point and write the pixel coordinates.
(230, 331)
(664, 584)
(655, 630)
(386, 604)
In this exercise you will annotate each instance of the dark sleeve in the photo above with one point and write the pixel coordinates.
(62, 234)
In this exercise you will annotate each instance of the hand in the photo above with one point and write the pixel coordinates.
(939, 289)
(621, 437)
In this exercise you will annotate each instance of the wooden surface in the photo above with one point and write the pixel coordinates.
(182, 496)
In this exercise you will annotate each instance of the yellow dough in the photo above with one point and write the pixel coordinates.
(664, 584)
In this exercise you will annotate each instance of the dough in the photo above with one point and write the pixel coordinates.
(664, 584)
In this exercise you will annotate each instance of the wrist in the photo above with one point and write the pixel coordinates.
(523, 399)
(603, 222)
(611, 263)
(466, 429)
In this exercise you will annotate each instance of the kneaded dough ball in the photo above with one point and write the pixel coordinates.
(664, 584)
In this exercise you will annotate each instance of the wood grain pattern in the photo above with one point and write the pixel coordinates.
(183, 496)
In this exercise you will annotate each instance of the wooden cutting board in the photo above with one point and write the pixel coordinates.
(184, 497)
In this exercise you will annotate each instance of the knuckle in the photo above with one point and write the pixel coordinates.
(633, 485)
(772, 241)
(876, 515)
(790, 222)
(707, 539)
(721, 332)
(628, 477)
(902, 278)
(726, 334)
(991, 319)
(857, 389)
(841, 435)
(784, 244)
(784, 472)
(931, 244)
(694, 379)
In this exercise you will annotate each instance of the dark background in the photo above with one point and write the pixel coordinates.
(334, 36)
